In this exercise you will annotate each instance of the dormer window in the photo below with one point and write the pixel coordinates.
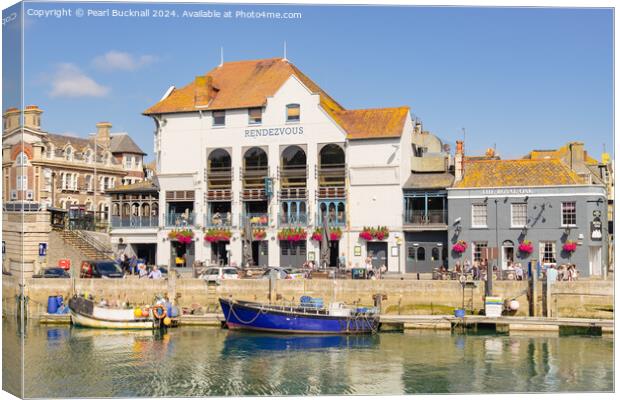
(88, 156)
(255, 115)
(69, 154)
(292, 113)
(219, 118)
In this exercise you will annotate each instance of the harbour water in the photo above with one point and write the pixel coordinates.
(197, 361)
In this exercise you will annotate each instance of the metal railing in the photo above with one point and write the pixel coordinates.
(430, 217)
(179, 219)
(218, 219)
(133, 222)
(288, 219)
(256, 219)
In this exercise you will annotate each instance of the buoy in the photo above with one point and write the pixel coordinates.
(137, 312)
(514, 305)
(167, 321)
(159, 311)
(145, 313)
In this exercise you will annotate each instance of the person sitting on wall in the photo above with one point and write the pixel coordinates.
(476, 270)
(518, 272)
(155, 273)
(142, 272)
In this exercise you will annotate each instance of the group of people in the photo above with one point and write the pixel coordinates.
(564, 272)
(478, 269)
(135, 266)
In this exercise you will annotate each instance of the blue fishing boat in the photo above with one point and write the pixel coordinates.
(308, 317)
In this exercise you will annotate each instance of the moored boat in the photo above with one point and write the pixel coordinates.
(85, 313)
(336, 319)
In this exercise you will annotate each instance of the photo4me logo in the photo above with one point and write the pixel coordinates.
(9, 18)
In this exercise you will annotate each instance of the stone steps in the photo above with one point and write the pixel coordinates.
(70, 238)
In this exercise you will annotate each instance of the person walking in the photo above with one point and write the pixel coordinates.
(342, 262)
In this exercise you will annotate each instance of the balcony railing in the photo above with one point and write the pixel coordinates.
(179, 219)
(430, 217)
(133, 222)
(332, 219)
(299, 219)
(256, 219)
(218, 220)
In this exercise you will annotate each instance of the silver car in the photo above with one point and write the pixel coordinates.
(218, 274)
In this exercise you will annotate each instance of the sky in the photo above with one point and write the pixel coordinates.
(513, 78)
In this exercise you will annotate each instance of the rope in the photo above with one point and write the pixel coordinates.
(232, 311)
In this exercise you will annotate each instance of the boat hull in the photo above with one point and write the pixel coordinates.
(253, 316)
(85, 313)
(89, 322)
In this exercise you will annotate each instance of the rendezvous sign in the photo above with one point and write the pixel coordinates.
(280, 131)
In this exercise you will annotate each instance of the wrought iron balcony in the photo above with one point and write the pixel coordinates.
(290, 219)
(179, 219)
(133, 222)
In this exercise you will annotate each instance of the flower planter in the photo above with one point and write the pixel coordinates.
(218, 235)
(460, 247)
(526, 247)
(184, 236)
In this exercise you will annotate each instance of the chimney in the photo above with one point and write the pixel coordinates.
(32, 117)
(576, 153)
(417, 127)
(103, 134)
(203, 90)
(10, 119)
(459, 157)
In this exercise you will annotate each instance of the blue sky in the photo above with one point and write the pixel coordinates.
(516, 78)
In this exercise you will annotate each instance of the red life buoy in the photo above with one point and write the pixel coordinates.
(159, 311)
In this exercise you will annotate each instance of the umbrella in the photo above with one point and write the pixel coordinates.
(247, 243)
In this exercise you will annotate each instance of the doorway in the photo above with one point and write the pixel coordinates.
(378, 252)
(181, 254)
(260, 252)
(334, 248)
(219, 254)
(508, 254)
(595, 258)
(292, 254)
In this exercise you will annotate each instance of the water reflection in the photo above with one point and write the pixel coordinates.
(195, 361)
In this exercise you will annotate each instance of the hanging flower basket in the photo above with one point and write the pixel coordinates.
(334, 234)
(381, 233)
(259, 234)
(218, 235)
(292, 234)
(526, 247)
(184, 236)
(569, 246)
(366, 233)
(460, 247)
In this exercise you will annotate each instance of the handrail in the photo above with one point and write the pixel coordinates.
(96, 244)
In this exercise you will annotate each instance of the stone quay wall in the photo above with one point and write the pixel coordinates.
(591, 299)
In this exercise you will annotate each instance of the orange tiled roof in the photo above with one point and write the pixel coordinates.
(500, 173)
(559, 153)
(243, 84)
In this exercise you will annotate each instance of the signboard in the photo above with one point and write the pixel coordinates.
(278, 131)
(394, 251)
(493, 306)
(42, 249)
(268, 187)
(596, 229)
(357, 251)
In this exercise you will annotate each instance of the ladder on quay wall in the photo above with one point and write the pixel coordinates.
(213, 304)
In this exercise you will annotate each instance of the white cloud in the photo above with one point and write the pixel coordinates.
(118, 60)
(69, 81)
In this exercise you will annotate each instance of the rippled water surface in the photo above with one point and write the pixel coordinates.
(195, 361)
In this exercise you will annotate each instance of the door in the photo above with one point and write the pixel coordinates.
(260, 253)
(219, 255)
(595, 258)
(292, 254)
(508, 254)
(378, 252)
(333, 252)
(422, 257)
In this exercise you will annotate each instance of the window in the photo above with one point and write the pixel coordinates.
(22, 182)
(127, 162)
(411, 252)
(255, 115)
(435, 254)
(292, 113)
(479, 215)
(219, 118)
(547, 252)
(22, 159)
(479, 250)
(569, 213)
(68, 154)
(518, 215)
(421, 254)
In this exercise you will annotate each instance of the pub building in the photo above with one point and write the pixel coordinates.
(542, 203)
(259, 143)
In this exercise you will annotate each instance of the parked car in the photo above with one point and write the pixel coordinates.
(284, 273)
(54, 272)
(101, 269)
(217, 274)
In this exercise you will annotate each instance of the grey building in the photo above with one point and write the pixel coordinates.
(502, 203)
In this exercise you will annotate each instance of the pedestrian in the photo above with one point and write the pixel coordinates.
(133, 264)
(155, 273)
(368, 267)
(519, 272)
(476, 270)
(142, 272)
(457, 267)
(552, 274)
(342, 261)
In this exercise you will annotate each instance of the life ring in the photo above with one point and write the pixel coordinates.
(159, 311)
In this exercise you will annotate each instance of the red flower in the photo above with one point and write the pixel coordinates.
(459, 247)
(526, 247)
(569, 246)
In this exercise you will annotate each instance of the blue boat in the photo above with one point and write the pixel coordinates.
(337, 319)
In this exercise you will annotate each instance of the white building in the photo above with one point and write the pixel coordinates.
(218, 138)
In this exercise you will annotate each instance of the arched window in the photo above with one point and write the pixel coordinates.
(292, 112)
(115, 209)
(293, 167)
(421, 254)
(219, 170)
(435, 254)
(255, 159)
(331, 166)
(69, 153)
(22, 159)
